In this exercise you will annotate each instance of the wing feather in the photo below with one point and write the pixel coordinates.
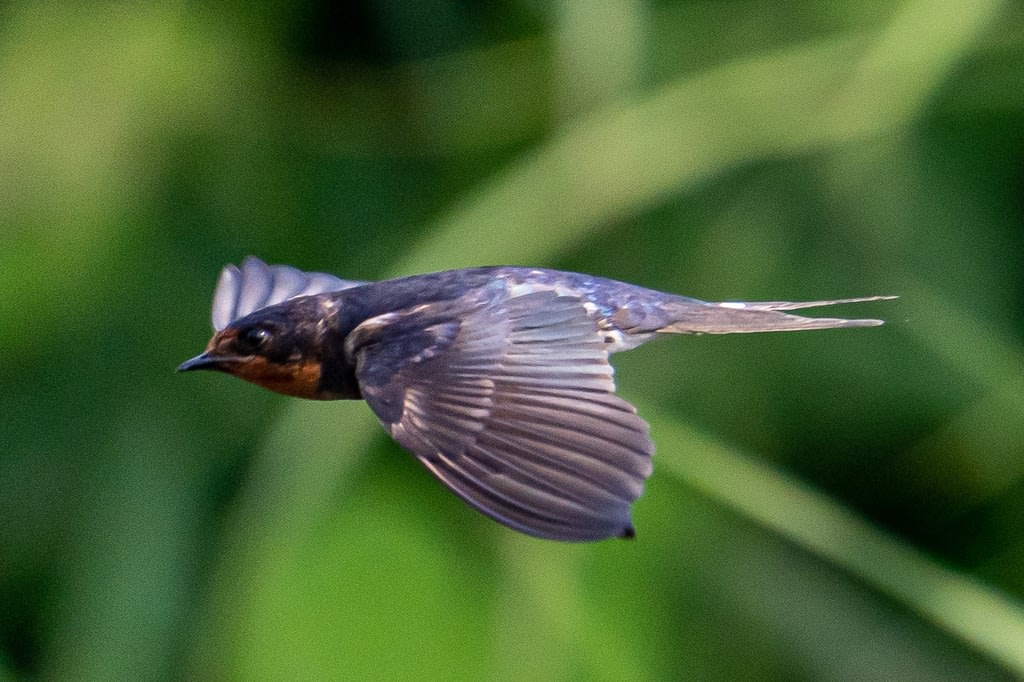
(256, 285)
(516, 412)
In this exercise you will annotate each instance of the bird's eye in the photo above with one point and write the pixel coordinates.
(250, 339)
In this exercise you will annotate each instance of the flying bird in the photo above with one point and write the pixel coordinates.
(496, 379)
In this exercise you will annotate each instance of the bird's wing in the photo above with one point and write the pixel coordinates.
(512, 405)
(255, 285)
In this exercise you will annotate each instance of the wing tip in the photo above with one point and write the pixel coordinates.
(253, 262)
(225, 296)
(253, 284)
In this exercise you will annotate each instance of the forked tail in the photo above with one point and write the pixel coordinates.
(740, 317)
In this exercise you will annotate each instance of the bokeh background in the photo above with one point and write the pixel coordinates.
(844, 505)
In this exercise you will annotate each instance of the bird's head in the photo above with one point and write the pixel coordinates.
(277, 348)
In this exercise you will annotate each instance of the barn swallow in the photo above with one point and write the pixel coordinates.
(495, 378)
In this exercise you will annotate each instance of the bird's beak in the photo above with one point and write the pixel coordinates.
(203, 361)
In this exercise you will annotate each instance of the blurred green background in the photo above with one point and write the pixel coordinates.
(840, 505)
